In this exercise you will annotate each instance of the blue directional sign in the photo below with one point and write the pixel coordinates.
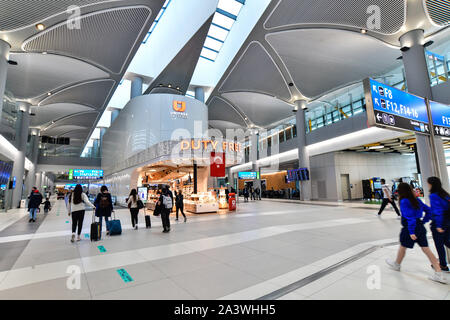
(248, 175)
(390, 107)
(87, 174)
(440, 114)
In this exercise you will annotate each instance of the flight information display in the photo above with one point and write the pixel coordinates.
(390, 107)
(301, 174)
(440, 114)
(248, 175)
(85, 174)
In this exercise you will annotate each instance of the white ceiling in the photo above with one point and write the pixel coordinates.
(328, 58)
(314, 48)
(26, 79)
(80, 67)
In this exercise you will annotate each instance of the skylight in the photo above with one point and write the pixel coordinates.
(223, 20)
(155, 23)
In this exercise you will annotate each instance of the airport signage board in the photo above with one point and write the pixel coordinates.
(440, 116)
(395, 109)
(87, 174)
(248, 175)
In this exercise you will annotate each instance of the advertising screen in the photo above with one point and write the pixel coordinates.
(390, 107)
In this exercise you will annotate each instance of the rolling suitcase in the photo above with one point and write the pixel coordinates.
(114, 227)
(148, 222)
(95, 230)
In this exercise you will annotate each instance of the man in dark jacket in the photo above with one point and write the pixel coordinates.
(165, 212)
(103, 207)
(34, 202)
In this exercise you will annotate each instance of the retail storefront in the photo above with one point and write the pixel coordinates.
(139, 152)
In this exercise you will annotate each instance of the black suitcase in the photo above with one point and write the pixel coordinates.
(95, 230)
(148, 222)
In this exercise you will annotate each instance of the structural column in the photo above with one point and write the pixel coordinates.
(38, 180)
(34, 144)
(19, 162)
(114, 114)
(303, 155)
(95, 148)
(432, 163)
(136, 87)
(102, 133)
(200, 94)
(4, 57)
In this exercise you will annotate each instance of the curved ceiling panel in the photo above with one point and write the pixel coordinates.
(78, 135)
(91, 94)
(438, 11)
(256, 71)
(81, 119)
(224, 125)
(53, 112)
(330, 58)
(348, 13)
(262, 110)
(105, 37)
(62, 130)
(25, 80)
(219, 109)
(17, 14)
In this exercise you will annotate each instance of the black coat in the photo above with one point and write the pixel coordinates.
(179, 201)
(35, 200)
(103, 212)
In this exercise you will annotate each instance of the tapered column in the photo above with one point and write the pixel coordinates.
(200, 94)
(31, 176)
(19, 162)
(432, 163)
(136, 87)
(4, 56)
(303, 155)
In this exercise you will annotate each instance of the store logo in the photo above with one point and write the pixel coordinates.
(179, 106)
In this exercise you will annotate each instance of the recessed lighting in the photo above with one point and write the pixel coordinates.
(170, 86)
(40, 26)
(49, 94)
(45, 52)
(363, 31)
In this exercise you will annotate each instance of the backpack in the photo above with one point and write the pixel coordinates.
(167, 202)
(104, 202)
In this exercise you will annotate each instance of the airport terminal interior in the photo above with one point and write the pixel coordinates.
(224, 150)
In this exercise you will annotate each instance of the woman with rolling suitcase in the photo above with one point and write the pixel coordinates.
(76, 206)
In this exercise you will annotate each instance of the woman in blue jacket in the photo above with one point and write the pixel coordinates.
(413, 231)
(440, 222)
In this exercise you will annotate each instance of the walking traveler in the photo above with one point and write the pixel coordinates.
(179, 204)
(76, 206)
(440, 225)
(104, 207)
(166, 205)
(413, 231)
(387, 198)
(34, 202)
(132, 203)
